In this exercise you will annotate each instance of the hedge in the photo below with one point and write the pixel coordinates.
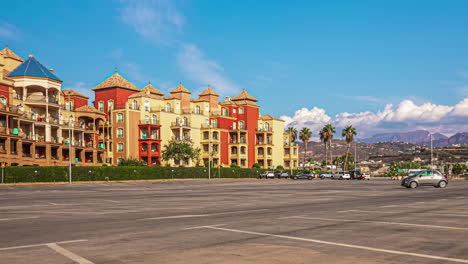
(108, 173)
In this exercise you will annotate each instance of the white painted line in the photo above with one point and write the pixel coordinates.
(201, 215)
(380, 222)
(392, 205)
(343, 245)
(198, 227)
(18, 218)
(69, 254)
(44, 244)
(112, 201)
(370, 211)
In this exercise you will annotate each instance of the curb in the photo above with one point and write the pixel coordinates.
(106, 182)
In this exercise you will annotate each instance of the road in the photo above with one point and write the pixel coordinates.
(235, 221)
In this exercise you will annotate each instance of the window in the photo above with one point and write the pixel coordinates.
(120, 132)
(225, 112)
(242, 151)
(241, 110)
(185, 121)
(120, 147)
(146, 119)
(154, 120)
(135, 105)
(241, 125)
(101, 106)
(110, 105)
(215, 135)
(267, 127)
(168, 107)
(197, 110)
(214, 123)
(234, 111)
(215, 148)
(69, 105)
(147, 106)
(119, 118)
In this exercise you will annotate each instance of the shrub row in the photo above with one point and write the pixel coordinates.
(107, 173)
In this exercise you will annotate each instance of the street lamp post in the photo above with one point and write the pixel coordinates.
(70, 150)
(3, 172)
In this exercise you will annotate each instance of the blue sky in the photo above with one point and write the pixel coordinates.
(379, 65)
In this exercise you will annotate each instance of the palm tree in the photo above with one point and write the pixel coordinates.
(348, 133)
(329, 129)
(292, 131)
(324, 137)
(305, 135)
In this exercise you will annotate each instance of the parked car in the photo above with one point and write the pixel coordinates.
(303, 175)
(325, 175)
(425, 177)
(355, 174)
(364, 176)
(281, 174)
(267, 175)
(341, 175)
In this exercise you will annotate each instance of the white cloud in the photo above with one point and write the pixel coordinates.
(203, 70)
(406, 116)
(80, 87)
(9, 31)
(157, 20)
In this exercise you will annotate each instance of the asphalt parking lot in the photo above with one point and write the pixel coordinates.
(235, 221)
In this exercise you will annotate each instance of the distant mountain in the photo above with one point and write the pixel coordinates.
(413, 137)
(460, 139)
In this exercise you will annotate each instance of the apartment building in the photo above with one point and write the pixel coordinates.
(142, 121)
(39, 123)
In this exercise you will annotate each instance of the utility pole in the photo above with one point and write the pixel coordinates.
(432, 164)
(355, 155)
(209, 142)
(70, 150)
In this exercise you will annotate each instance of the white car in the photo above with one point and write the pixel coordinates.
(325, 175)
(341, 175)
(365, 176)
(267, 175)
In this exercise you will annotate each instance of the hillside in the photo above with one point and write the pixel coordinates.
(413, 137)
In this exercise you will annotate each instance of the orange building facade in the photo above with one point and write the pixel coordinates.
(39, 121)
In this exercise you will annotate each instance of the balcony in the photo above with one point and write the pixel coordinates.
(264, 130)
(161, 109)
(149, 122)
(205, 126)
(180, 124)
(144, 136)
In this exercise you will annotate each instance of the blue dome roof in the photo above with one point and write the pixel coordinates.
(33, 68)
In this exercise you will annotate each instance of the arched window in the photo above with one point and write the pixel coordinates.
(154, 120)
(197, 110)
(168, 107)
(241, 125)
(120, 132)
(119, 117)
(241, 110)
(214, 123)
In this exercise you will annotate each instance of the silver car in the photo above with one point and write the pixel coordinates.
(425, 177)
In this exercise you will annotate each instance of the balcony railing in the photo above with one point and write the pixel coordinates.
(150, 137)
(261, 129)
(206, 126)
(180, 124)
(149, 122)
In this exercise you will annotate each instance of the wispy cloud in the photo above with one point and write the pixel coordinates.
(9, 31)
(157, 20)
(366, 98)
(203, 70)
(80, 87)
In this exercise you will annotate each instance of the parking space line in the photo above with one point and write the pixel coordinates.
(68, 254)
(18, 218)
(380, 212)
(342, 245)
(198, 227)
(378, 222)
(43, 244)
(201, 215)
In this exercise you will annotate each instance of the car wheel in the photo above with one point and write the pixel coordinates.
(310, 178)
(295, 178)
(413, 184)
(442, 184)
(341, 177)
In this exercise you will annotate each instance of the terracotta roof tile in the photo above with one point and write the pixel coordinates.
(73, 93)
(116, 80)
(208, 91)
(244, 96)
(180, 89)
(8, 53)
(152, 89)
(270, 117)
(88, 109)
(145, 94)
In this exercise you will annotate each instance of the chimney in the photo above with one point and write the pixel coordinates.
(52, 71)
(227, 98)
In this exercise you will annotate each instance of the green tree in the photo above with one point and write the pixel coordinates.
(180, 150)
(305, 135)
(348, 133)
(256, 166)
(324, 137)
(292, 131)
(328, 131)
